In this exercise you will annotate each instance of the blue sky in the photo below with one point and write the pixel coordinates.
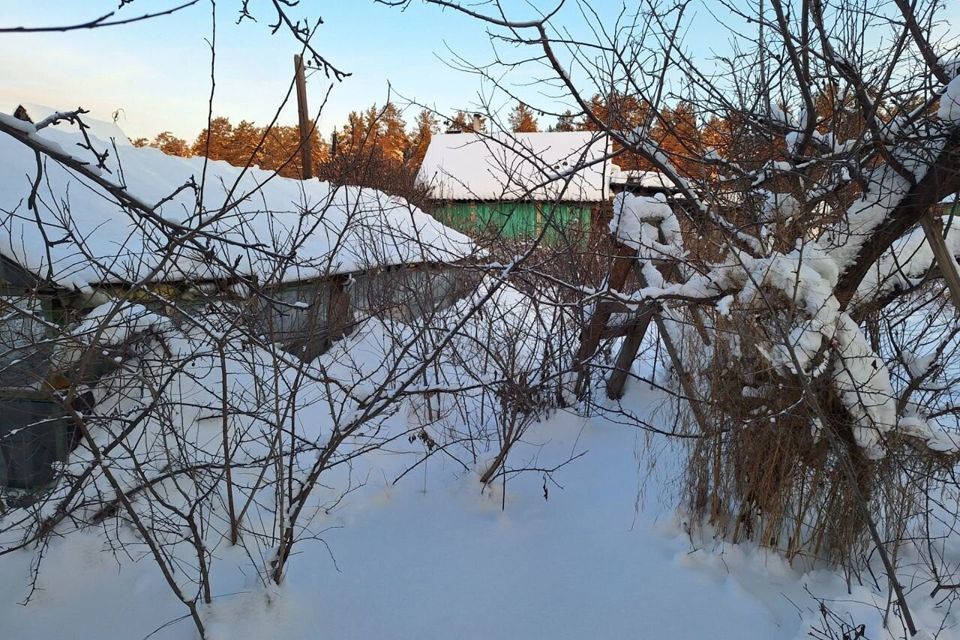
(157, 72)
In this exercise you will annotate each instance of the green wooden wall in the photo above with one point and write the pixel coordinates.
(512, 219)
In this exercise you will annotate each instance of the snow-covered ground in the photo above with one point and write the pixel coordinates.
(595, 550)
(433, 557)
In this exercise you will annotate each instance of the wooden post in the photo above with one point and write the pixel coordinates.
(933, 230)
(590, 338)
(686, 383)
(338, 309)
(306, 124)
(628, 351)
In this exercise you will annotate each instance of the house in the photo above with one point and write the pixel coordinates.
(517, 185)
(318, 254)
(286, 234)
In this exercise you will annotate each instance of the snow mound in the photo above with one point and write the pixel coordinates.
(949, 110)
(97, 128)
(637, 219)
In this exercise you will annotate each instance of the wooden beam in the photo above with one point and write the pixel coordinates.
(623, 260)
(940, 180)
(338, 309)
(686, 383)
(933, 230)
(628, 352)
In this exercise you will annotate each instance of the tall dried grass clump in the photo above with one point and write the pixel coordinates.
(766, 469)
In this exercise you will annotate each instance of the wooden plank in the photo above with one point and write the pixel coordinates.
(338, 310)
(619, 330)
(933, 230)
(686, 383)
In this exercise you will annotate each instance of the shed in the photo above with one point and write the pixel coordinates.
(319, 250)
(516, 184)
(292, 235)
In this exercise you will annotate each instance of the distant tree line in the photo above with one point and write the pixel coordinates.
(377, 148)
(374, 148)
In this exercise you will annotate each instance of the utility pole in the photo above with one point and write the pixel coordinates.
(306, 124)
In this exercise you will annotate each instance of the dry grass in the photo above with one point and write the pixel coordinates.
(768, 471)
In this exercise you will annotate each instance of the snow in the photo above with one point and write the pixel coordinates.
(779, 205)
(820, 333)
(107, 325)
(797, 279)
(793, 139)
(863, 380)
(251, 218)
(642, 179)
(861, 376)
(115, 328)
(949, 110)
(97, 128)
(568, 166)
(637, 219)
(919, 365)
(904, 264)
(885, 190)
(602, 554)
(935, 438)
(432, 558)
(723, 307)
(591, 549)
(779, 116)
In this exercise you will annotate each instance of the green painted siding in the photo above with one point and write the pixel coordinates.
(512, 219)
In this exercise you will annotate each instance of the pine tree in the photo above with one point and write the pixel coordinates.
(243, 141)
(522, 119)
(281, 151)
(457, 123)
(213, 143)
(425, 127)
(170, 144)
(354, 133)
(461, 122)
(619, 112)
(717, 134)
(566, 122)
(392, 138)
(677, 135)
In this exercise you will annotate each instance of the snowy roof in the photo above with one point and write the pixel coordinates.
(643, 179)
(517, 166)
(91, 239)
(101, 129)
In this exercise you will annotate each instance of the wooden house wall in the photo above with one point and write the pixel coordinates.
(513, 220)
(303, 317)
(306, 316)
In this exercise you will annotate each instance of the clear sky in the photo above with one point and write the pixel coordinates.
(158, 72)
